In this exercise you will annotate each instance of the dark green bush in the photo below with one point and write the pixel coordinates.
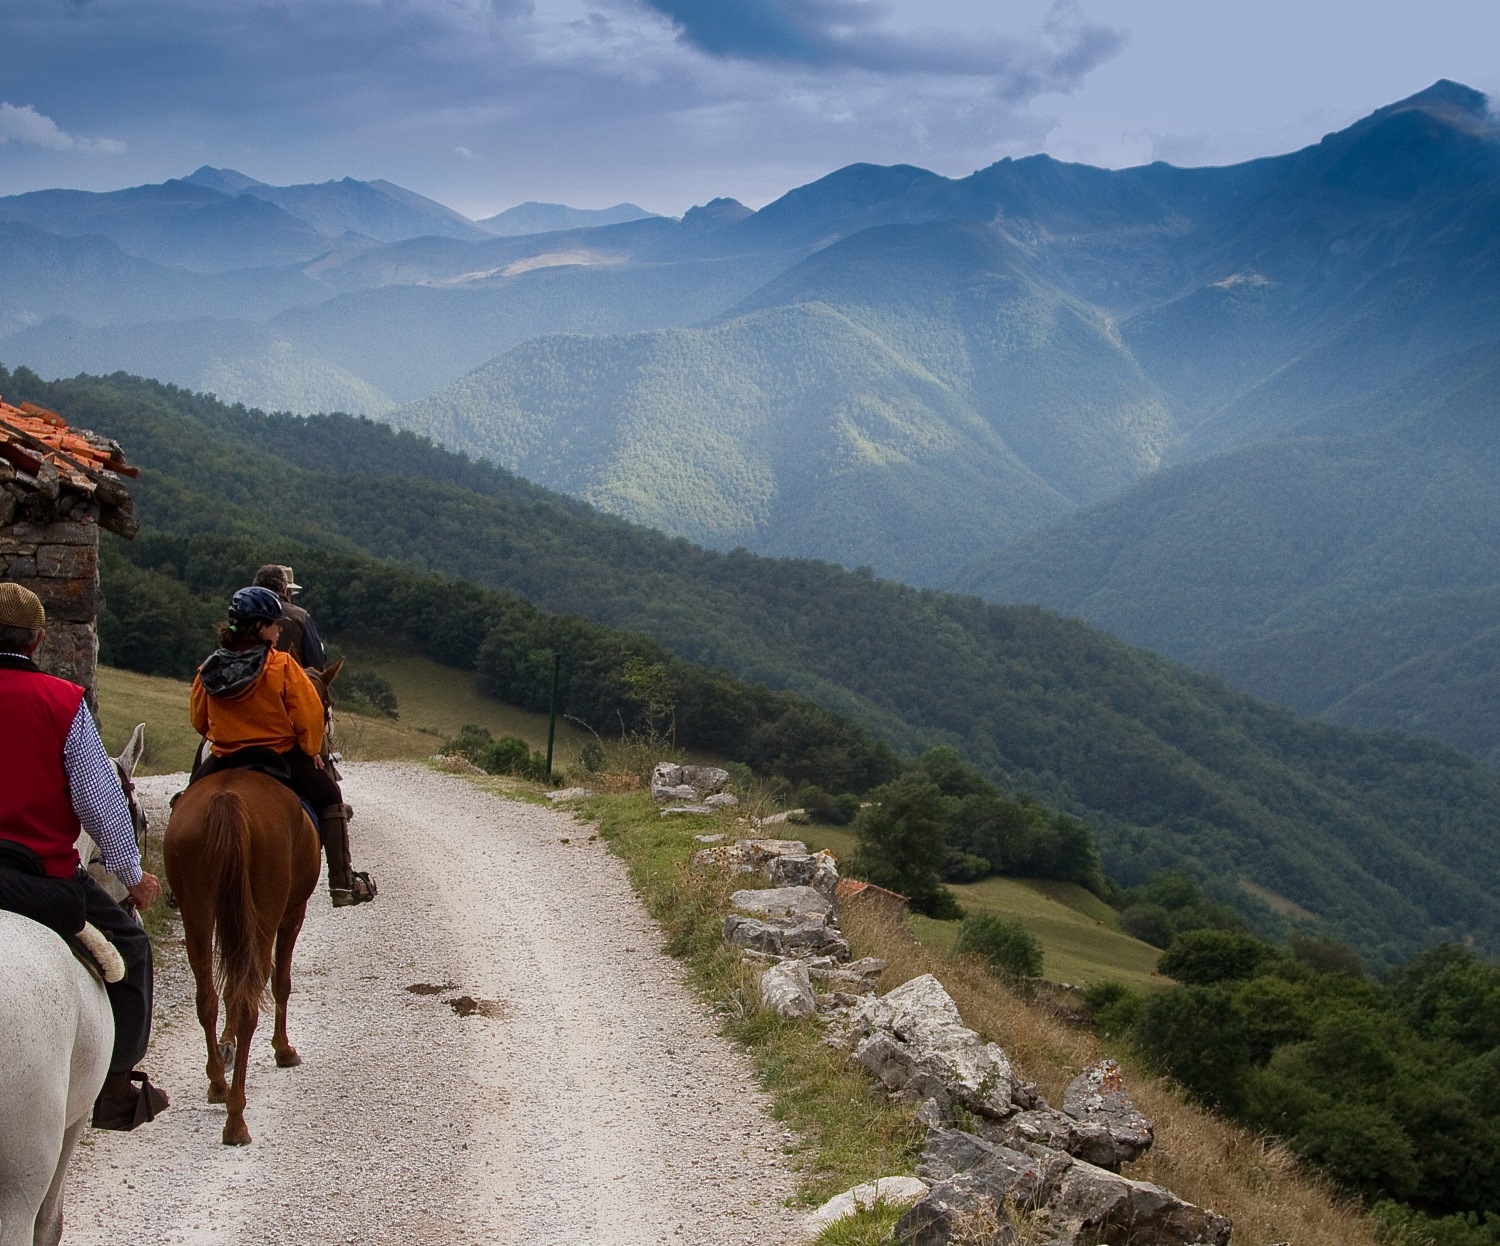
(471, 740)
(1201, 957)
(512, 755)
(369, 692)
(1007, 947)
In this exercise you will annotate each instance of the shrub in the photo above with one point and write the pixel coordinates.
(471, 740)
(1007, 947)
(1201, 957)
(1113, 1005)
(367, 690)
(512, 755)
(1150, 923)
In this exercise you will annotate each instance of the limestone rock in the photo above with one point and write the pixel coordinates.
(1115, 1132)
(893, 1191)
(706, 780)
(795, 903)
(700, 810)
(812, 937)
(722, 800)
(571, 793)
(761, 852)
(914, 1041)
(816, 870)
(786, 990)
(977, 1187)
(976, 1204)
(1093, 1205)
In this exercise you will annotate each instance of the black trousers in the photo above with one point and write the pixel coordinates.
(314, 786)
(130, 998)
(64, 904)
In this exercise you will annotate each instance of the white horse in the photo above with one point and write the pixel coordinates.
(57, 1034)
(56, 1037)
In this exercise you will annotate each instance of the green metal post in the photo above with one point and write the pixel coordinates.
(552, 715)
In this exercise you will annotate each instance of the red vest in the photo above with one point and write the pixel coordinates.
(36, 712)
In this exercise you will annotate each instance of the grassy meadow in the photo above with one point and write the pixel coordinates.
(1081, 939)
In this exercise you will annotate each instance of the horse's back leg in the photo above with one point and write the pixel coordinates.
(236, 1132)
(281, 983)
(49, 1220)
(27, 1155)
(198, 935)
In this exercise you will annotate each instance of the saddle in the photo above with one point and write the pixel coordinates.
(58, 904)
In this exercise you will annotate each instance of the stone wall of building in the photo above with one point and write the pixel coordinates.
(59, 562)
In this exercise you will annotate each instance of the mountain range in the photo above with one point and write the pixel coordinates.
(1240, 415)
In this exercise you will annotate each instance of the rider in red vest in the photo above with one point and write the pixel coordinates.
(56, 780)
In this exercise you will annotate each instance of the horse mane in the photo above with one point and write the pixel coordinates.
(240, 973)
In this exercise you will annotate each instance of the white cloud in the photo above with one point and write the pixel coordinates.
(24, 125)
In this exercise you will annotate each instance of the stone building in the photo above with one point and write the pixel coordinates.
(59, 487)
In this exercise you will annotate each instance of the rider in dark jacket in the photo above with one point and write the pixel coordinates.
(299, 634)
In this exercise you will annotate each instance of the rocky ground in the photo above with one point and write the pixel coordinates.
(551, 1080)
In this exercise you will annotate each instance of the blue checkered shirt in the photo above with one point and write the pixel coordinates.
(98, 799)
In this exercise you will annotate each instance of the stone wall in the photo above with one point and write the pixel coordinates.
(59, 562)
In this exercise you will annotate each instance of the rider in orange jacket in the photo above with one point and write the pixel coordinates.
(256, 706)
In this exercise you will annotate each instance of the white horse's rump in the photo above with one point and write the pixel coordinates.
(56, 1036)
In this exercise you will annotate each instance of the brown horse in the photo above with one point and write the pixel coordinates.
(242, 858)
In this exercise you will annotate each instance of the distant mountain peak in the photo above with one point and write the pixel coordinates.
(1453, 103)
(229, 181)
(716, 212)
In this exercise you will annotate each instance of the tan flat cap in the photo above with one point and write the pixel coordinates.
(20, 607)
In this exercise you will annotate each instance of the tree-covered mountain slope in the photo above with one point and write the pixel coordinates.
(1352, 574)
(1386, 839)
(897, 400)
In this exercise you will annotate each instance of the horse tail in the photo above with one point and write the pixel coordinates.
(240, 971)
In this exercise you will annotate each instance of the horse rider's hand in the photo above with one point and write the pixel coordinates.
(318, 761)
(146, 892)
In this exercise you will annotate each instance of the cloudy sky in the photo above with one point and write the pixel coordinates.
(667, 103)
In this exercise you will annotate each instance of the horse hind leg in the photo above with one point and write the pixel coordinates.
(201, 958)
(281, 987)
(236, 1132)
(49, 1218)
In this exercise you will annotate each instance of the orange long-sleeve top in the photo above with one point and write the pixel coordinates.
(281, 710)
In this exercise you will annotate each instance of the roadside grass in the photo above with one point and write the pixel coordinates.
(846, 1135)
(871, 1227)
(126, 698)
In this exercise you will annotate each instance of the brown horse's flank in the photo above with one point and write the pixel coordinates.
(240, 970)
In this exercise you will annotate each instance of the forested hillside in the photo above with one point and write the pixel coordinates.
(1384, 840)
(1352, 575)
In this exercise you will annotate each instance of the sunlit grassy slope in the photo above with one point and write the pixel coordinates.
(434, 702)
(1081, 939)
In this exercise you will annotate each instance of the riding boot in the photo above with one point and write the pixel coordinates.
(127, 1100)
(345, 887)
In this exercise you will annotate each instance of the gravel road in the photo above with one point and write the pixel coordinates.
(586, 1100)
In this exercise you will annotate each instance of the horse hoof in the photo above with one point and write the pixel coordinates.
(226, 1055)
(218, 1094)
(236, 1137)
(288, 1059)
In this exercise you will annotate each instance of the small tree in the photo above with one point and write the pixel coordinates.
(902, 844)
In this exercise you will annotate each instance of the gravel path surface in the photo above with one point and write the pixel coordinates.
(586, 1100)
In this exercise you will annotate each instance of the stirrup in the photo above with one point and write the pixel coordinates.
(362, 892)
(149, 1101)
